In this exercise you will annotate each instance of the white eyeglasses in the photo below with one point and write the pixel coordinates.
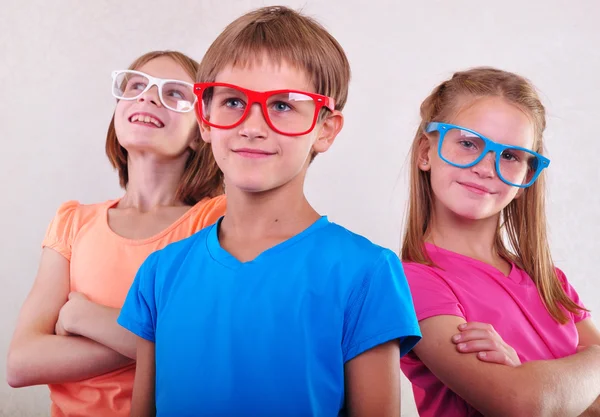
(175, 95)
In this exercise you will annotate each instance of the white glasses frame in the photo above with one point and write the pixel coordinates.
(153, 81)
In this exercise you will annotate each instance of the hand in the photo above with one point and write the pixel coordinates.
(481, 338)
(69, 313)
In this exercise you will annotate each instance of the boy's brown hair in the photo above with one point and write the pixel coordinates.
(282, 34)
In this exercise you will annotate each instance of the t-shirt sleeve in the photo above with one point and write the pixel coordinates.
(431, 294)
(138, 314)
(61, 231)
(572, 294)
(379, 310)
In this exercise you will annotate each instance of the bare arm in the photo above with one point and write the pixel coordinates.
(143, 403)
(99, 323)
(589, 335)
(36, 354)
(373, 382)
(563, 387)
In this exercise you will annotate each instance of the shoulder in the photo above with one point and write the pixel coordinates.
(353, 246)
(424, 278)
(72, 215)
(182, 249)
(417, 271)
(75, 209)
(68, 220)
(208, 211)
(358, 261)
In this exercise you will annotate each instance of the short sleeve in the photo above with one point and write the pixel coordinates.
(61, 231)
(431, 294)
(211, 211)
(138, 314)
(379, 310)
(572, 294)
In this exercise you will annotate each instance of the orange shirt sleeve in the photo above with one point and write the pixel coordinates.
(61, 231)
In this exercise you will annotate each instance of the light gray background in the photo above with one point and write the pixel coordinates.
(55, 64)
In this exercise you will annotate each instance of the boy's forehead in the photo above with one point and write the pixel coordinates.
(263, 73)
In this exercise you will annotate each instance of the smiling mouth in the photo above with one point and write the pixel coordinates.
(475, 188)
(146, 119)
(252, 153)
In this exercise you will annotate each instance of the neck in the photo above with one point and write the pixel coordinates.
(152, 183)
(284, 211)
(472, 238)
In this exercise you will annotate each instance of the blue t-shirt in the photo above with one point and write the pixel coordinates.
(268, 337)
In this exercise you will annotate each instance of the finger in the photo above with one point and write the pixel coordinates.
(495, 357)
(581, 348)
(475, 334)
(479, 346)
(473, 325)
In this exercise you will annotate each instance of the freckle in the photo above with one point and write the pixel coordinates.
(276, 220)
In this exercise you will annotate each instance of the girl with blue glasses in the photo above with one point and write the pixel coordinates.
(499, 320)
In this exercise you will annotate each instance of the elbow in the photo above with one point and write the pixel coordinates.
(533, 400)
(21, 370)
(16, 373)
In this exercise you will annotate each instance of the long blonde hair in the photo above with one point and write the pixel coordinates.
(523, 221)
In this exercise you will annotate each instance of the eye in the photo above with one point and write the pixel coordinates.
(233, 103)
(509, 156)
(176, 93)
(136, 86)
(467, 144)
(281, 106)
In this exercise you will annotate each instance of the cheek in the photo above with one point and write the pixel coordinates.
(509, 193)
(441, 173)
(121, 121)
(298, 146)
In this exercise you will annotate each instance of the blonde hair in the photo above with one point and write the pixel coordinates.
(523, 221)
(201, 176)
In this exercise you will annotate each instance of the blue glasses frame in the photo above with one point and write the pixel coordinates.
(490, 146)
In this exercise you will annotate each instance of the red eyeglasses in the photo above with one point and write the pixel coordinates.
(288, 112)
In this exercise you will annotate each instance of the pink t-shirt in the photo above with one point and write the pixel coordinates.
(476, 291)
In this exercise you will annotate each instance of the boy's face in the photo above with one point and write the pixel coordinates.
(252, 156)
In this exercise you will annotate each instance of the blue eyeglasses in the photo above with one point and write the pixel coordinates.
(464, 148)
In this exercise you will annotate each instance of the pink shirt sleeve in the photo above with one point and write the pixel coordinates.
(432, 296)
(573, 296)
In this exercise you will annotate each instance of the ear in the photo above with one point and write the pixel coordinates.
(204, 131)
(195, 143)
(423, 153)
(331, 126)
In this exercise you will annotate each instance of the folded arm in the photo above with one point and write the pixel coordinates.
(563, 387)
(36, 354)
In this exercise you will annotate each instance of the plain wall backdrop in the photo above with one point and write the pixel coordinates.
(55, 64)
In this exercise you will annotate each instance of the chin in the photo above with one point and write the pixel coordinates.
(474, 214)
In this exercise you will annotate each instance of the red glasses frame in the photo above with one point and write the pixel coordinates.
(260, 97)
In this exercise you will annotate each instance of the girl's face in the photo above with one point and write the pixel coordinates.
(146, 126)
(476, 193)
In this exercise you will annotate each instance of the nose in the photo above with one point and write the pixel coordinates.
(486, 168)
(255, 126)
(151, 96)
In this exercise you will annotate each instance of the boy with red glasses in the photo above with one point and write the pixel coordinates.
(274, 311)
